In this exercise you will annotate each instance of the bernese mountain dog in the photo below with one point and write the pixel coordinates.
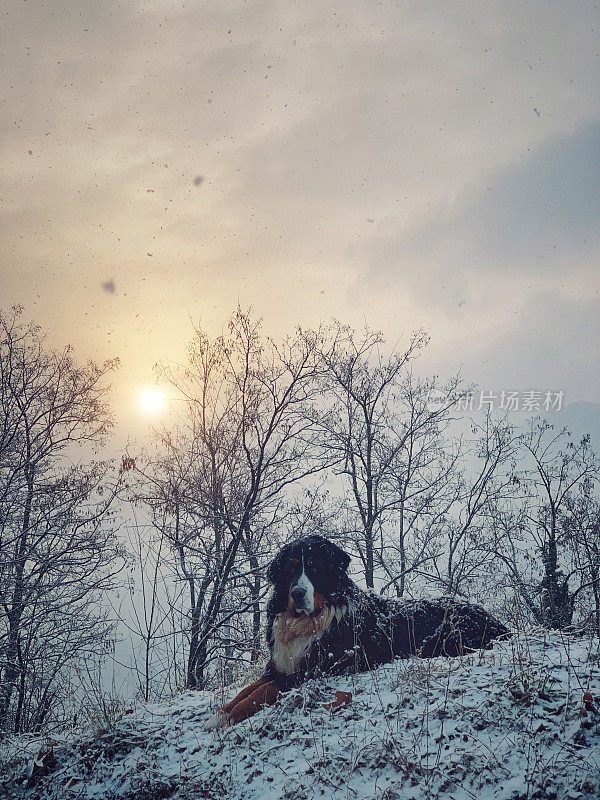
(319, 622)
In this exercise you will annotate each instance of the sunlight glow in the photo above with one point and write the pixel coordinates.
(152, 400)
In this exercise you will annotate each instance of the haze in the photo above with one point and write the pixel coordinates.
(398, 163)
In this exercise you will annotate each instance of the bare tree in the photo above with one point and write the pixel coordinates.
(58, 548)
(515, 571)
(420, 481)
(539, 534)
(557, 465)
(580, 523)
(484, 477)
(383, 429)
(220, 476)
(147, 611)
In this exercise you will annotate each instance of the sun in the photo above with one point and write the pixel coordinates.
(152, 400)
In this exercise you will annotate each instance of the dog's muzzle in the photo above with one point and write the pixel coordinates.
(299, 598)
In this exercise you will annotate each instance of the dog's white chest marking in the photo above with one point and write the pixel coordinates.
(304, 582)
(288, 653)
(293, 636)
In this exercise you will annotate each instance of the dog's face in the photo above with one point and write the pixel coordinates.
(308, 570)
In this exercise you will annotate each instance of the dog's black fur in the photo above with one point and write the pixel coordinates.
(359, 630)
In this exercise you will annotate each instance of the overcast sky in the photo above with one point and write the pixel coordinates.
(407, 164)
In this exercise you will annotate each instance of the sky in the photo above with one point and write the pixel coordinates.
(401, 164)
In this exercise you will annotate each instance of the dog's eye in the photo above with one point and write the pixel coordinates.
(309, 562)
(295, 560)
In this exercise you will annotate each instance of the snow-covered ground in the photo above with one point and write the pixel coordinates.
(507, 723)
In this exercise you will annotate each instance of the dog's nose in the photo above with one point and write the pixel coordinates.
(298, 594)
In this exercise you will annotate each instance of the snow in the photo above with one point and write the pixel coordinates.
(503, 724)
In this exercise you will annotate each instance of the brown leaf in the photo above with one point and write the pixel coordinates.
(341, 699)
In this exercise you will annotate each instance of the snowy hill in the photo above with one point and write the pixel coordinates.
(508, 724)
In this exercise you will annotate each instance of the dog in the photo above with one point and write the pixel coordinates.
(319, 622)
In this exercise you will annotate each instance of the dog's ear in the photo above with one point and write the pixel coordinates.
(339, 557)
(275, 567)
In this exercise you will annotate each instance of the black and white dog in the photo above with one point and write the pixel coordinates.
(318, 620)
(320, 623)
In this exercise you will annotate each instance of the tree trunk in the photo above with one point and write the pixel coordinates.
(556, 600)
(369, 560)
(195, 654)
(12, 669)
(402, 544)
(255, 594)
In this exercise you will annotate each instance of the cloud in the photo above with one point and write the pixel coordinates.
(533, 211)
(532, 224)
(551, 344)
(345, 148)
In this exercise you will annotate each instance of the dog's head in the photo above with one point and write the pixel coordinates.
(308, 571)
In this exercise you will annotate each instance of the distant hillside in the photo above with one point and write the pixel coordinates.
(508, 724)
